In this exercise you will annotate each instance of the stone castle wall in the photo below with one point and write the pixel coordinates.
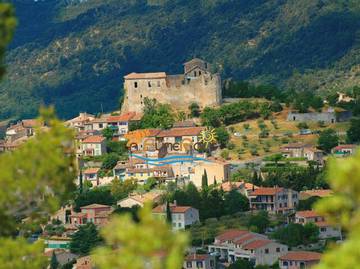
(177, 90)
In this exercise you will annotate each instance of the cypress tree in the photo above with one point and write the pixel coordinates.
(54, 264)
(204, 180)
(168, 213)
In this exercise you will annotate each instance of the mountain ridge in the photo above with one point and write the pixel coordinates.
(74, 54)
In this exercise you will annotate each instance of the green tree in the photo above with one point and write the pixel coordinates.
(235, 202)
(296, 234)
(307, 204)
(156, 245)
(222, 136)
(241, 264)
(168, 213)
(85, 239)
(328, 139)
(151, 182)
(108, 133)
(225, 154)
(54, 264)
(97, 195)
(194, 110)
(181, 116)
(353, 134)
(259, 222)
(110, 160)
(121, 189)
(343, 208)
(157, 115)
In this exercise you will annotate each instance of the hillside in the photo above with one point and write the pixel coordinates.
(73, 53)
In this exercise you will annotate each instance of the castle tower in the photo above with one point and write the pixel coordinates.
(197, 84)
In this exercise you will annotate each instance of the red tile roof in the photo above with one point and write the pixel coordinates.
(189, 131)
(197, 257)
(349, 146)
(91, 170)
(92, 206)
(231, 234)
(257, 244)
(145, 75)
(307, 214)
(30, 123)
(319, 193)
(245, 238)
(266, 191)
(301, 256)
(122, 118)
(173, 209)
(94, 139)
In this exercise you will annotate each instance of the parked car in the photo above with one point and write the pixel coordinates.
(237, 134)
(305, 132)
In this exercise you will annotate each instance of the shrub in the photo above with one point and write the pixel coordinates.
(246, 126)
(302, 125)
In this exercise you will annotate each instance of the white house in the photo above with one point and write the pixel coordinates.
(181, 216)
(299, 260)
(325, 229)
(204, 261)
(234, 244)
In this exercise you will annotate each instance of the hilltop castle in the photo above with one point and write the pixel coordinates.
(197, 85)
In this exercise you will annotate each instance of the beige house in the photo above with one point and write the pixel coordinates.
(325, 229)
(91, 174)
(216, 170)
(300, 150)
(79, 122)
(153, 197)
(94, 145)
(275, 200)
(203, 261)
(121, 123)
(181, 216)
(299, 260)
(234, 244)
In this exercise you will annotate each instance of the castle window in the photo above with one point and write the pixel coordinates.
(135, 84)
(158, 83)
(149, 84)
(199, 73)
(140, 95)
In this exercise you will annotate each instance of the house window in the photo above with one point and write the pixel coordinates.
(135, 84)
(149, 84)
(101, 125)
(277, 249)
(188, 264)
(266, 251)
(199, 264)
(323, 229)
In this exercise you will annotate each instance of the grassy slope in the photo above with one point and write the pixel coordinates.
(74, 56)
(283, 128)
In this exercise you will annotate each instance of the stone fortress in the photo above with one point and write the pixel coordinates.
(197, 85)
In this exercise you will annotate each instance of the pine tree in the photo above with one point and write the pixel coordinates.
(54, 264)
(204, 180)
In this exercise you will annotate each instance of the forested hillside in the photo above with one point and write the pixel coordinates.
(73, 53)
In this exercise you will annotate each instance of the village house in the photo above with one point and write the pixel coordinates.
(234, 244)
(119, 170)
(245, 188)
(299, 260)
(315, 193)
(344, 98)
(79, 122)
(24, 128)
(97, 124)
(181, 216)
(274, 200)
(93, 145)
(180, 140)
(161, 173)
(121, 123)
(300, 150)
(217, 171)
(94, 213)
(83, 263)
(62, 256)
(325, 229)
(329, 116)
(91, 174)
(344, 150)
(203, 261)
(152, 197)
